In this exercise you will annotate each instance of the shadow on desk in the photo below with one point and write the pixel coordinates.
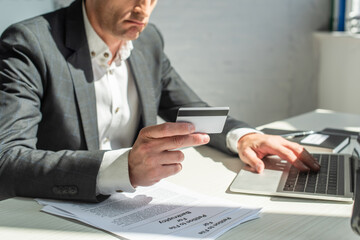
(293, 226)
(232, 163)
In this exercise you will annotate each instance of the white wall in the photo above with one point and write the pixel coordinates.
(252, 55)
(338, 56)
(16, 10)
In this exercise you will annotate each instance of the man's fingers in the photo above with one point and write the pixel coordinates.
(302, 156)
(154, 175)
(290, 156)
(293, 153)
(171, 169)
(170, 157)
(253, 147)
(169, 136)
(180, 141)
(150, 159)
(174, 142)
(249, 157)
(165, 171)
(167, 129)
(310, 160)
(190, 140)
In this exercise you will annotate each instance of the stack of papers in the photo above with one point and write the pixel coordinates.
(163, 211)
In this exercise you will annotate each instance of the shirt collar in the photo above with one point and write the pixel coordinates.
(99, 51)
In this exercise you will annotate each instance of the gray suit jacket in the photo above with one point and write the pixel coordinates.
(48, 125)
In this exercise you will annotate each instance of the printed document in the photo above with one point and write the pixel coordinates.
(162, 211)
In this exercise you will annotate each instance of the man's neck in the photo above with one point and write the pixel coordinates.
(114, 49)
(114, 44)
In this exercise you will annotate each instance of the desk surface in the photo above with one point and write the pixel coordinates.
(281, 218)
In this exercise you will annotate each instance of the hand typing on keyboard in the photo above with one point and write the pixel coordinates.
(325, 181)
(253, 147)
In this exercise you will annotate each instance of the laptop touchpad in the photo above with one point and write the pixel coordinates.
(265, 183)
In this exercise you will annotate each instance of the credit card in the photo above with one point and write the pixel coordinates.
(206, 119)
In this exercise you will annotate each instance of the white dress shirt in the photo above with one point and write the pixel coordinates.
(118, 112)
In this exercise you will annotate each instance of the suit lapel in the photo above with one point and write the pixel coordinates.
(145, 87)
(80, 68)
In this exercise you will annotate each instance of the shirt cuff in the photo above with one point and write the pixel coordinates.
(232, 137)
(114, 173)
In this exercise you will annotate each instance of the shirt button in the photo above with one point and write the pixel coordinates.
(93, 53)
(106, 55)
(106, 140)
(117, 110)
(111, 71)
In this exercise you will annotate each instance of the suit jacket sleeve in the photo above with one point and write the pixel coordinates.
(26, 170)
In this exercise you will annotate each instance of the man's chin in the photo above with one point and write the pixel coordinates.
(133, 33)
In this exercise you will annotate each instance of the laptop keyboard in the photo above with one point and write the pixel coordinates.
(329, 180)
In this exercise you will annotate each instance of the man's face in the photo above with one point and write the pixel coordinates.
(122, 19)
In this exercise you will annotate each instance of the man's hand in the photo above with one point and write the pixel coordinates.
(151, 160)
(254, 147)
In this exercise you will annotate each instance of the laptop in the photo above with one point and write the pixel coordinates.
(334, 181)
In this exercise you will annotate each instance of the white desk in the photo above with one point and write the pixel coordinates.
(210, 172)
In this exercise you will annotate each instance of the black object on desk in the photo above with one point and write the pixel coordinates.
(335, 141)
(340, 132)
(355, 217)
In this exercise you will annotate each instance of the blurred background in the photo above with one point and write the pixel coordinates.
(260, 57)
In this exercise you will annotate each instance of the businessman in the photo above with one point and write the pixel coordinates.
(80, 90)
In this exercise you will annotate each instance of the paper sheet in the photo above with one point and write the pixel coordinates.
(316, 139)
(163, 211)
